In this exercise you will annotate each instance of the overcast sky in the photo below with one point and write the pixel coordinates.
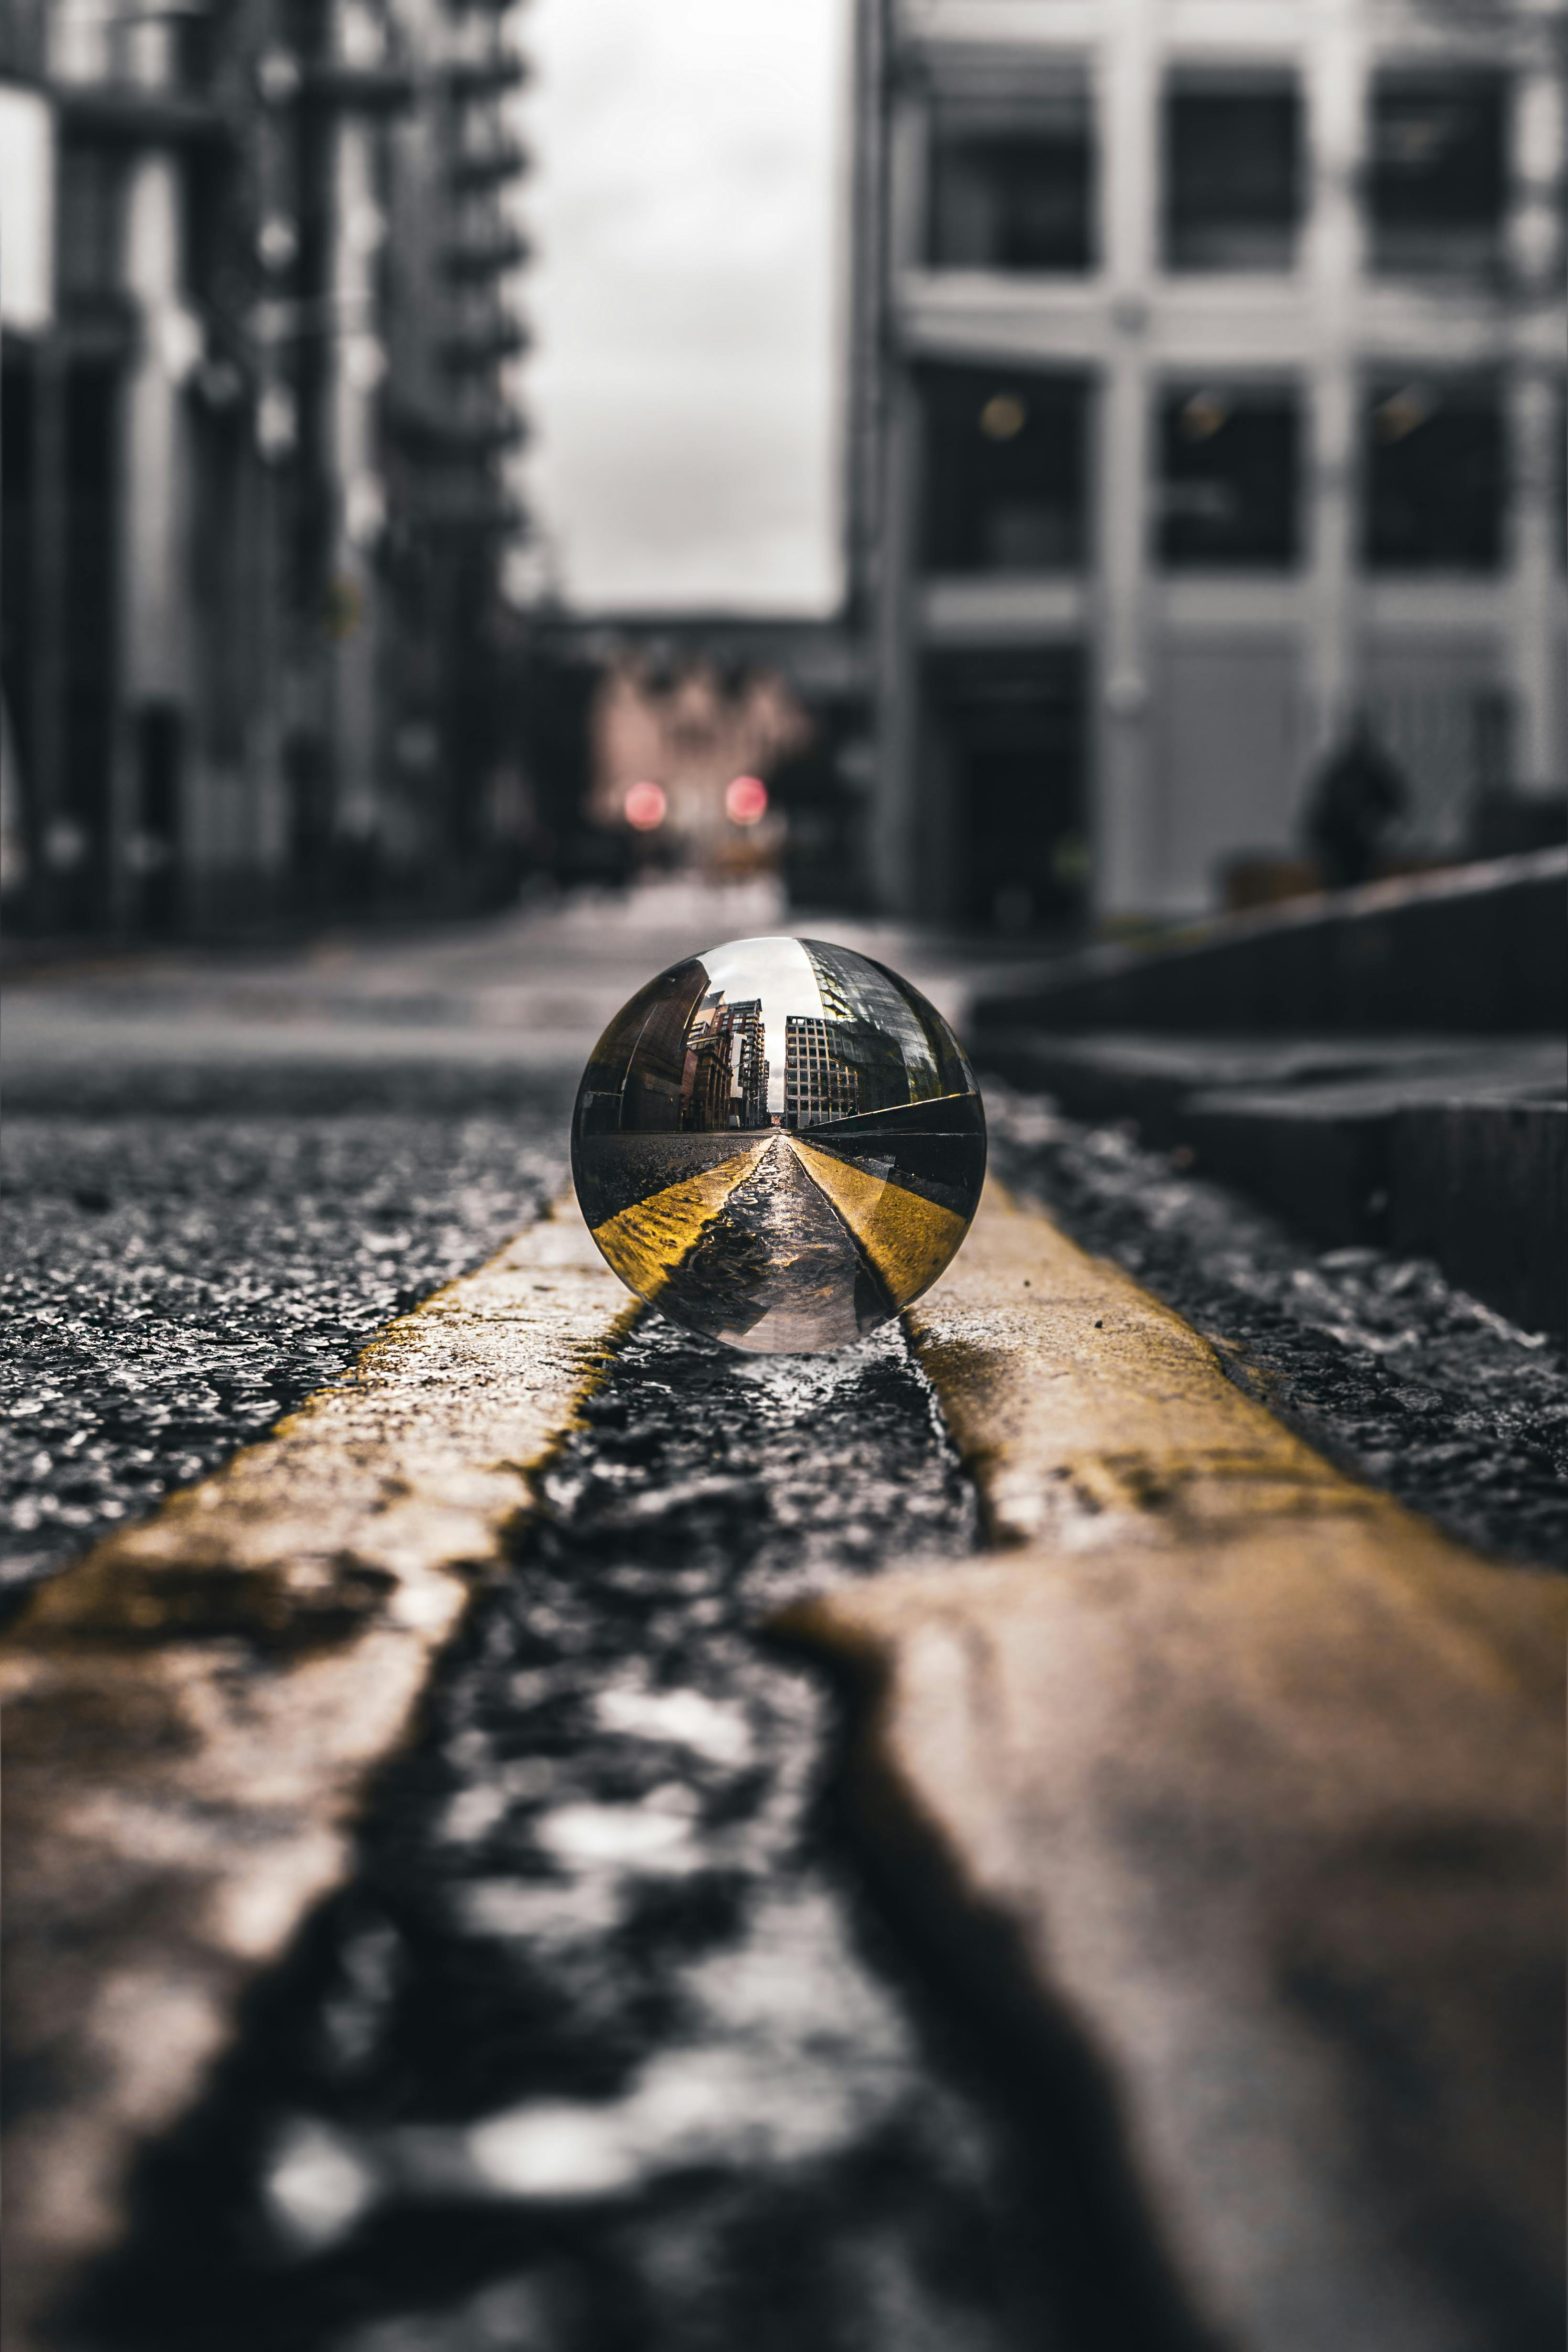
(687, 298)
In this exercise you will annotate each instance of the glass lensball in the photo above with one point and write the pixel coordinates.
(779, 1144)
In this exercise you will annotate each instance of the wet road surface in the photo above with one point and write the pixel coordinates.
(604, 2044)
(602, 2049)
(779, 1268)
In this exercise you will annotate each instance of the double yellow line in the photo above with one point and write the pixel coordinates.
(1201, 1704)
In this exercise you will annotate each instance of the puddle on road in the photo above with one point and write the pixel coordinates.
(597, 2050)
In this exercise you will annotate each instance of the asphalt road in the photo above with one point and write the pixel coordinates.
(605, 1894)
(223, 1173)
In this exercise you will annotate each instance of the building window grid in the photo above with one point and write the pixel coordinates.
(1467, 106)
(1292, 86)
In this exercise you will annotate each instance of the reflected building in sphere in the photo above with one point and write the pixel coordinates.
(823, 1066)
(648, 1088)
(790, 1211)
(726, 1073)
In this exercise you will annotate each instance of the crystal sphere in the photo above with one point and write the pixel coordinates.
(779, 1144)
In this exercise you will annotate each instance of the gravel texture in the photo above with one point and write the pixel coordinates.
(1377, 1360)
(179, 1276)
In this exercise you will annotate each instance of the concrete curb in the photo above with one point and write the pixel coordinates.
(1454, 1149)
(1481, 948)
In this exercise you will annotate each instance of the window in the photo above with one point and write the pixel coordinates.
(91, 184)
(1005, 471)
(22, 45)
(1232, 173)
(1012, 727)
(1434, 471)
(1229, 477)
(1012, 168)
(1437, 171)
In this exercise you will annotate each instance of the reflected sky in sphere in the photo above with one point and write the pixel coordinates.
(779, 1143)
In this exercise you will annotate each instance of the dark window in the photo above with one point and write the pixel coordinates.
(1011, 727)
(195, 39)
(206, 227)
(18, 544)
(90, 550)
(1012, 175)
(22, 37)
(1229, 477)
(1005, 471)
(1437, 176)
(1232, 174)
(1434, 476)
(92, 208)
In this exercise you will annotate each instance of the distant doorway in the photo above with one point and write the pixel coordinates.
(1012, 730)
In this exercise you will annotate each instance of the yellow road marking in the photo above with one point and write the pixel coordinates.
(193, 1711)
(907, 1238)
(1253, 1779)
(1084, 1406)
(651, 1240)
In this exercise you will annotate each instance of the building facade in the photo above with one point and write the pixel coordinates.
(727, 1084)
(822, 1070)
(256, 448)
(1207, 386)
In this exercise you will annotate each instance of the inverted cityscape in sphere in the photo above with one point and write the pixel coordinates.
(779, 1144)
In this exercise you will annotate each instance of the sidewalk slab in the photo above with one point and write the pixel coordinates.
(1235, 1794)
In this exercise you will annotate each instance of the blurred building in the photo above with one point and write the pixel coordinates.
(691, 701)
(1207, 382)
(257, 436)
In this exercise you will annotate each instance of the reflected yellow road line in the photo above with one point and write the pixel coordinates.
(907, 1238)
(193, 1712)
(652, 1240)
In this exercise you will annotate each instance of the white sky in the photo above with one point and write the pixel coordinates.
(687, 298)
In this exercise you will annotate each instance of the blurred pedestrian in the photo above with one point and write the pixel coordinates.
(1354, 800)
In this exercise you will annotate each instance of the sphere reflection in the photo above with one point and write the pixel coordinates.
(778, 1143)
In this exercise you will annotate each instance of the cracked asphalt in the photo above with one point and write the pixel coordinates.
(602, 1932)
